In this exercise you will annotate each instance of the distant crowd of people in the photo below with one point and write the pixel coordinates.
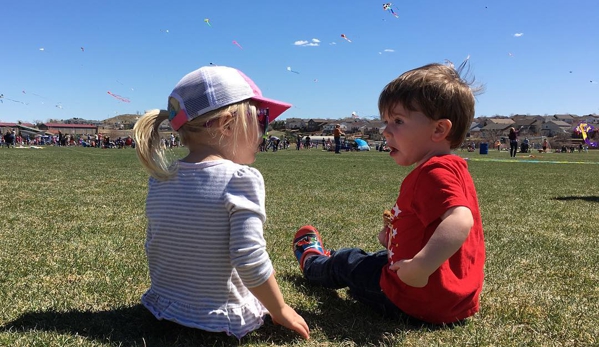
(12, 139)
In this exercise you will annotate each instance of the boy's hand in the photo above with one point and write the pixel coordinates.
(410, 273)
(288, 318)
(384, 237)
(388, 223)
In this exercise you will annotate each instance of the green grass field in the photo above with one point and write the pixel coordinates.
(72, 264)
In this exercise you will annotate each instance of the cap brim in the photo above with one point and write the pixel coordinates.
(275, 108)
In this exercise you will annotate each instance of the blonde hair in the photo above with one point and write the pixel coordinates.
(147, 136)
(439, 92)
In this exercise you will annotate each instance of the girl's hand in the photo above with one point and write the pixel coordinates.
(288, 318)
(410, 273)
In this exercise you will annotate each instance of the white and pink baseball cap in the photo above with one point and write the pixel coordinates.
(212, 87)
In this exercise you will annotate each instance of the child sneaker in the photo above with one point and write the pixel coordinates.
(307, 241)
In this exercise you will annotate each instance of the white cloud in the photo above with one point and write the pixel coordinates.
(333, 43)
(389, 50)
(304, 43)
(518, 34)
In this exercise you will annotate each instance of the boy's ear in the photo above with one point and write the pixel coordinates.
(442, 129)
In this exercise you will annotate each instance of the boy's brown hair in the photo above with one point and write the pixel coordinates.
(438, 92)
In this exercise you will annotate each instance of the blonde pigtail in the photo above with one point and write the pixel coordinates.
(147, 144)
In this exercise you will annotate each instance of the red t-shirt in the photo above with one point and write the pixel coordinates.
(453, 290)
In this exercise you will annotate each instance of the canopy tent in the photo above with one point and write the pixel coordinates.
(362, 145)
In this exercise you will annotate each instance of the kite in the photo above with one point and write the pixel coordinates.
(345, 37)
(387, 7)
(449, 63)
(121, 83)
(42, 49)
(82, 49)
(237, 44)
(289, 69)
(118, 97)
(208, 22)
(584, 129)
(2, 97)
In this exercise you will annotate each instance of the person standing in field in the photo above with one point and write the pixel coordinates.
(337, 136)
(513, 136)
(207, 258)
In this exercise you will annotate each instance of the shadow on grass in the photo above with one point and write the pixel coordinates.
(136, 326)
(338, 319)
(576, 197)
(346, 319)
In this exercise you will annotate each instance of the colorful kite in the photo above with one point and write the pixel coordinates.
(118, 97)
(208, 22)
(584, 129)
(388, 7)
(289, 69)
(237, 44)
(345, 37)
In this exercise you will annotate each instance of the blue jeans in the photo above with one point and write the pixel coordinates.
(357, 270)
(337, 144)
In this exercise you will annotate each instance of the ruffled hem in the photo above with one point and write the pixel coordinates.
(233, 319)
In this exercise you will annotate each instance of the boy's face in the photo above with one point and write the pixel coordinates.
(409, 135)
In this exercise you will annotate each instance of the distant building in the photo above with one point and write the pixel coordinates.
(294, 123)
(555, 127)
(506, 121)
(73, 129)
(567, 118)
(4, 127)
(315, 124)
(23, 129)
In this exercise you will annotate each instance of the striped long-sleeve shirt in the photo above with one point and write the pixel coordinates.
(205, 247)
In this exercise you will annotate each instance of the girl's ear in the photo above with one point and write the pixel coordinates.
(225, 124)
(442, 129)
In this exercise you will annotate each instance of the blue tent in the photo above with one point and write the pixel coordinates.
(362, 145)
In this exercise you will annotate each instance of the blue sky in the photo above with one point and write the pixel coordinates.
(140, 49)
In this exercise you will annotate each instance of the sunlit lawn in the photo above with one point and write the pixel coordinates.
(72, 265)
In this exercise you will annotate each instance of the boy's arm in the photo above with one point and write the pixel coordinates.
(445, 241)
